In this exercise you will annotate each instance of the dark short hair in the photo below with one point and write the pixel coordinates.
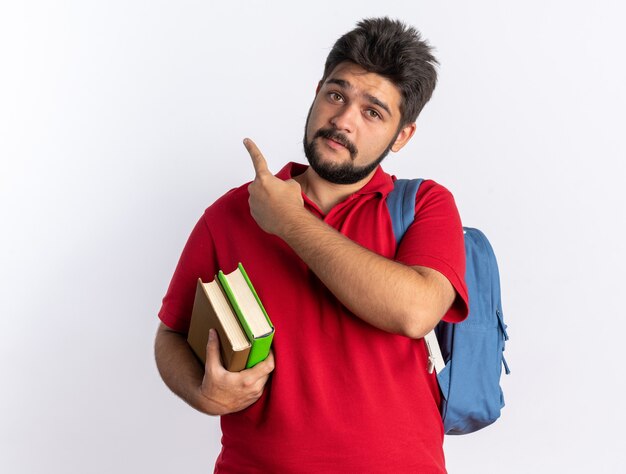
(393, 50)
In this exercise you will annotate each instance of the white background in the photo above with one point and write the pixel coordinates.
(120, 121)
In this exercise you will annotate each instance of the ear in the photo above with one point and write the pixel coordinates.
(319, 86)
(403, 137)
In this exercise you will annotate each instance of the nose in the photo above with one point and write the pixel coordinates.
(345, 118)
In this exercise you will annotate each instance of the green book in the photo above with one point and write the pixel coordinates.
(250, 311)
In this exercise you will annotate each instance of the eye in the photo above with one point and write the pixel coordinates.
(335, 97)
(371, 113)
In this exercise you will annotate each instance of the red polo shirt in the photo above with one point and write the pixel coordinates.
(344, 396)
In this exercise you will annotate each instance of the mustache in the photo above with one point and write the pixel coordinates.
(337, 137)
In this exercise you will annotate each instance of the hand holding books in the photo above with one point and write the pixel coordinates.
(223, 392)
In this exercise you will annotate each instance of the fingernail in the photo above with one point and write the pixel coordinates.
(211, 334)
(245, 141)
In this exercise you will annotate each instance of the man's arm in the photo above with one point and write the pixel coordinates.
(387, 294)
(212, 390)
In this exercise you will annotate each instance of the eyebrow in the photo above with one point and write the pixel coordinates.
(374, 100)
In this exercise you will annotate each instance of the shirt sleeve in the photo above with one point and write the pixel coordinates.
(435, 240)
(196, 261)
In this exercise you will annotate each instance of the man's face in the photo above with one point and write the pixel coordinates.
(353, 124)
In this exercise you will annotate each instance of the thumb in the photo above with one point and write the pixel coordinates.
(213, 350)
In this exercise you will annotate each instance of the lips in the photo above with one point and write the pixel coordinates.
(335, 144)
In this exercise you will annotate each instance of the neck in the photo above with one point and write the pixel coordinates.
(325, 194)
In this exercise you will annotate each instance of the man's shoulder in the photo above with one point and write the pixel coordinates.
(430, 189)
(232, 201)
(432, 197)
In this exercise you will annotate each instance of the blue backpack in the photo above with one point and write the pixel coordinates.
(472, 350)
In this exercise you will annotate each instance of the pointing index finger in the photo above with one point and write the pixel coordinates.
(260, 165)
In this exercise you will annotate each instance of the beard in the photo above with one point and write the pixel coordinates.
(344, 173)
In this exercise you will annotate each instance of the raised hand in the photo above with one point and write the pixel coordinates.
(274, 203)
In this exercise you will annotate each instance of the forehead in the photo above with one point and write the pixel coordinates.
(361, 82)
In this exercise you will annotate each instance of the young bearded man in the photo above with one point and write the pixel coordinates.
(346, 388)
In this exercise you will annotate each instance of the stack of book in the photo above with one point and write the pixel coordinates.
(230, 305)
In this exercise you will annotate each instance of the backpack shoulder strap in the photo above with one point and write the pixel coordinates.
(401, 205)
